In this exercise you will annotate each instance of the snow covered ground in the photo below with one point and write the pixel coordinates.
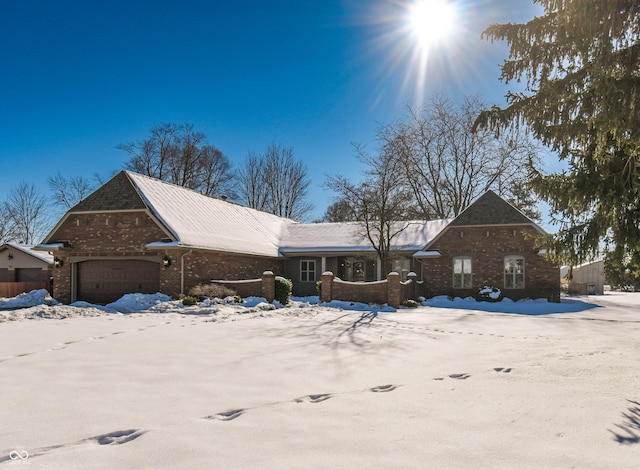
(448, 385)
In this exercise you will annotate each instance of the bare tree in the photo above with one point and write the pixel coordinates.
(340, 211)
(178, 154)
(381, 202)
(447, 165)
(6, 227)
(275, 182)
(26, 211)
(216, 173)
(69, 191)
(252, 182)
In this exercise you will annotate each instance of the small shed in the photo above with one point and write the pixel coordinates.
(588, 279)
(23, 269)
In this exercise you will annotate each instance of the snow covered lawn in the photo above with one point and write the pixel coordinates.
(447, 385)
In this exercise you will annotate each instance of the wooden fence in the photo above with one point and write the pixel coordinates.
(11, 289)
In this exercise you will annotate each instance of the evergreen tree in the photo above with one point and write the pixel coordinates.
(580, 61)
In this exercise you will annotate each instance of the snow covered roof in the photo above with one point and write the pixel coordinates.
(28, 249)
(348, 237)
(200, 221)
(427, 254)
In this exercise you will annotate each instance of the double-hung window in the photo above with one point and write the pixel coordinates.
(462, 272)
(307, 270)
(514, 272)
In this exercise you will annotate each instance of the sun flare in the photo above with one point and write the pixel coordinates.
(431, 20)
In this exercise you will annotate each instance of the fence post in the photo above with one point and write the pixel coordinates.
(413, 277)
(327, 286)
(393, 289)
(269, 286)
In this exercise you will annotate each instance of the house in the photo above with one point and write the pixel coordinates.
(139, 234)
(490, 243)
(23, 269)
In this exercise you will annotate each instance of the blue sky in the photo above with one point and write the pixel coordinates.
(77, 78)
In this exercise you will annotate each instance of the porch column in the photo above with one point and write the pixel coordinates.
(327, 286)
(268, 286)
(323, 264)
(393, 289)
(378, 270)
(413, 278)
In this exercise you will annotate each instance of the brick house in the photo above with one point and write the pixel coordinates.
(491, 243)
(139, 234)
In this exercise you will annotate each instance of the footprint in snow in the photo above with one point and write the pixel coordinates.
(459, 376)
(314, 398)
(227, 415)
(383, 388)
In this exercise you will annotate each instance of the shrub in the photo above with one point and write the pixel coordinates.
(283, 290)
(489, 294)
(189, 300)
(411, 304)
(319, 289)
(211, 290)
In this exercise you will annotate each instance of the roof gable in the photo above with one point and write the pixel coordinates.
(490, 209)
(117, 194)
(28, 250)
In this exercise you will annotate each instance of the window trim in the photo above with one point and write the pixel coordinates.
(465, 259)
(513, 274)
(308, 271)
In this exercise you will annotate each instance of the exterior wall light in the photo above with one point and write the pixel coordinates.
(57, 262)
(166, 261)
(10, 256)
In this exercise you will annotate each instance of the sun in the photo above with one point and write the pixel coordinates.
(430, 20)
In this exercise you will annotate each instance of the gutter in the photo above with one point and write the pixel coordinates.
(182, 271)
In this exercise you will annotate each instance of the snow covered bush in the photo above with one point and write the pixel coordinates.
(283, 290)
(211, 290)
(489, 294)
(411, 304)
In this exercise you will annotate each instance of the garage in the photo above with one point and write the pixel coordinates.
(105, 281)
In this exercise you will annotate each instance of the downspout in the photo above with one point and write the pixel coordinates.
(182, 271)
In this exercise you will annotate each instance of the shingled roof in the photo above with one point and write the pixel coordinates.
(490, 209)
(117, 194)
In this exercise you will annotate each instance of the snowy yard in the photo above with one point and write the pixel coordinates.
(448, 385)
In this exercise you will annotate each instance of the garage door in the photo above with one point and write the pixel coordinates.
(104, 281)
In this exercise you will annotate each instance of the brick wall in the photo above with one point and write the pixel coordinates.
(487, 247)
(203, 266)
(390, 291)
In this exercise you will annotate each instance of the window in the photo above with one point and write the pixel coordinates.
(402, 267)
(462, 273)
(514, 272)
(307, 270)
